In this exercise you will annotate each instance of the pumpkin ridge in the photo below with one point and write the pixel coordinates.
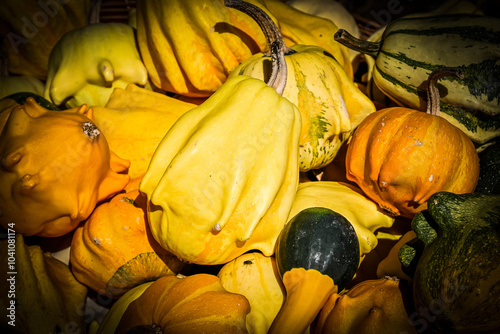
(195, 293)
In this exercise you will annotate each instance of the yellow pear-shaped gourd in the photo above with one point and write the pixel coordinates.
(222, 180)
(88, 63)
(55, 167)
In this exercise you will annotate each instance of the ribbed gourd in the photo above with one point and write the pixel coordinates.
(412, 47)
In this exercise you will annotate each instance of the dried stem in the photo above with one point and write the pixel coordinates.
(433, 97)
(277, 47)
(366, 47)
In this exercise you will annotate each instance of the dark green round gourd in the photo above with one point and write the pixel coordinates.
(456, 283)
(321, 239)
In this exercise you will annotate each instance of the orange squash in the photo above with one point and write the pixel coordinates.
(400, 156)
(55, 167)
(194, 304)
(190, 46)
(371, 307)
(114, 251)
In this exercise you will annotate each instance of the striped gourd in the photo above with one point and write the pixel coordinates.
(412, 47)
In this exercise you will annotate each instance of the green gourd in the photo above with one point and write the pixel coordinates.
(456, 261)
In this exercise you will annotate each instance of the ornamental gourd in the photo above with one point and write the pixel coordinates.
(189, 47)
(298, 27)
(400, 156)
(86, 65)
(115, 313)
(135, 120)
(331, 105)
(317, 254)
(222, 180)
(114, 251)
(256, 277)
(371, 306)
(412, 47)
(350, 202)
(47, 296)
(46, 187)
(193, 304)
(456, 275)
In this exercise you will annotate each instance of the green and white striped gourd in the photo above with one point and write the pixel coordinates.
(412, 47)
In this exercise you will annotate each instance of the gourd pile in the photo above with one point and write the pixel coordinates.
(254, 166)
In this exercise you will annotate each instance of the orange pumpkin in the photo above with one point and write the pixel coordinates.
(194, 304)
(371, 306)
(400, 156)
(55, 167)
(114, 251)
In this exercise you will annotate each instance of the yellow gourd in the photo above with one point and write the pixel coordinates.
(190, 46)
(349, 201)
(256, 277)
(47, 188)
(39, 294)
(193, 304)
(134, 121)
(298, 27)
(86, 65)
(222, 180)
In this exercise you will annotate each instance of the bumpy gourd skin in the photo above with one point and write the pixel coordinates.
(223, 179)
(399, 157)
(55, 166)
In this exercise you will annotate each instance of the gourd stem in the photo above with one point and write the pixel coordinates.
(366, 47)
(95, 12)
(433, 97)
(277, 46)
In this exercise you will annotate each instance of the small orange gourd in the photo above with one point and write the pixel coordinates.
(114, 250)
(371, 306)
(400, 156)
(55, 167)
(194, 304)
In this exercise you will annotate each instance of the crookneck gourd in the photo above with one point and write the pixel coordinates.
(56, 165)
(400, 156)
(193, 304)
(190, 46)
(331, 105)
(86, 65)
(457, 268)
(114, 251)
(412, 47)
(39, 294)
(222, 180)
